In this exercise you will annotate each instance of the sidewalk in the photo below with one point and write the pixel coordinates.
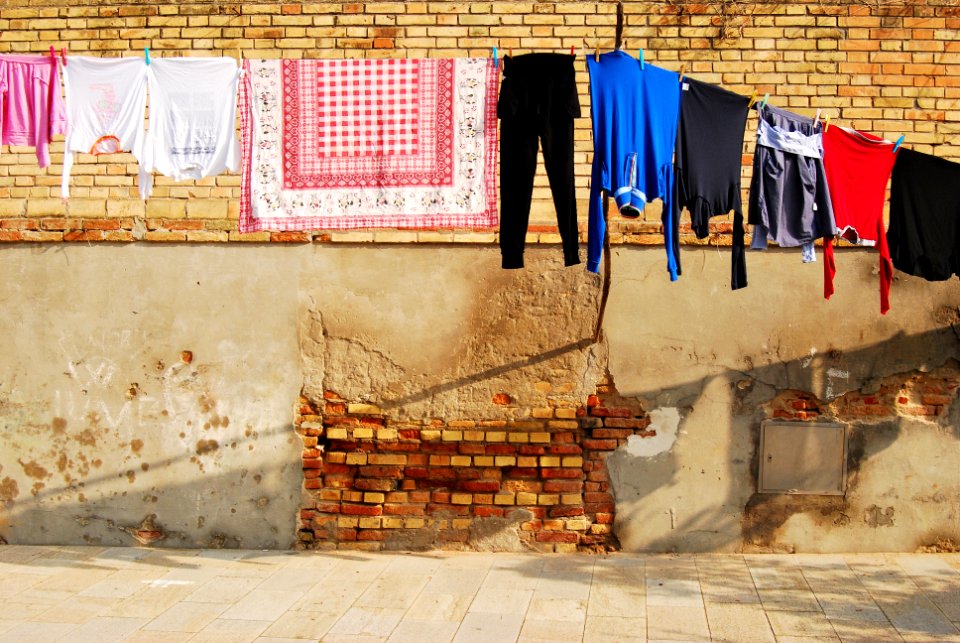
(109, 594)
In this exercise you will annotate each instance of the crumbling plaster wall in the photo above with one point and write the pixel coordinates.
(439, 332)
(717, 360)
(150, 392)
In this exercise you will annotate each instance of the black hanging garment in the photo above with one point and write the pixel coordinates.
(924, 233)
(707, 167)
(538, 102)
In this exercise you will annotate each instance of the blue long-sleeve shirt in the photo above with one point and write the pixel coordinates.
(635, 114)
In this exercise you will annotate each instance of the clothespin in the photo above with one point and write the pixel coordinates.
(596, 38)
(763, 103)
(816, 119)
(753, 99)
(511, 52)
(53, 53)
(641, 59)
(146, 55)
(899, 143)
(826, 123)
(571, 50)
(496, 60)
(683, 71)
(63, 55)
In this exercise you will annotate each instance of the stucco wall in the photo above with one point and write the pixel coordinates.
(148, 381)
(107, 419)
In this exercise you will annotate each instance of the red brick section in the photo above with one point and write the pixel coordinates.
(369, 479)
(920, 395)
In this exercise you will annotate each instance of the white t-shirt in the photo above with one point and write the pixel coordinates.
(193, 107)
(106, 99)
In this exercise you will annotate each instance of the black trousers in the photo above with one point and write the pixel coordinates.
(537, 105)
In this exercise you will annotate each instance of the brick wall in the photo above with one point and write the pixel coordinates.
(886, 67)
(372, 482)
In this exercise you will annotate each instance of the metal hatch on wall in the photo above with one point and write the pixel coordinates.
(803, 458)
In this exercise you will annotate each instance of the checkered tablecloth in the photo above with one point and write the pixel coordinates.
(340, 144)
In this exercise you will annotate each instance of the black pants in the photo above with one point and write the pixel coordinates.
(538, 102)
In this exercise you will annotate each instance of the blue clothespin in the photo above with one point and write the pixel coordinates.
(641, 59)
(899, 142)
(763, 103)
(496, 60)
(146, 55)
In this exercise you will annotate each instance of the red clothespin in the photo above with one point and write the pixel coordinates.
(571, 50)
(53, 53)
(63, 55)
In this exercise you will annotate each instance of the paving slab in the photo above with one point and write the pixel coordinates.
(99, 594)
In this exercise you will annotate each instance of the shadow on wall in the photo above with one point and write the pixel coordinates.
(201, 498)
(487, 374)
(695, 488)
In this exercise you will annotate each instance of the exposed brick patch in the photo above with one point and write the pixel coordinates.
(371, 476)
(922, 395)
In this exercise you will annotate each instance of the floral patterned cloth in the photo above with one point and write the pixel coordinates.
(342, 144)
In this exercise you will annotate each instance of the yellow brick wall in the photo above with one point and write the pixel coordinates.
(887, 67)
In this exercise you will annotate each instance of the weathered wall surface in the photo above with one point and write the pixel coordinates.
(463, 406)
(714, 364)
(139, 382)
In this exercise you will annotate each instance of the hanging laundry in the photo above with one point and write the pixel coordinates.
(31, 107)
(858, 166)
(707, 165)
(538, 102)
(193, 110)
(789, 199)
(635, 113)
(924, 233)
(339, 144)
(106, 100)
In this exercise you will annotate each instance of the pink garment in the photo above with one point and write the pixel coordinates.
(31, 105)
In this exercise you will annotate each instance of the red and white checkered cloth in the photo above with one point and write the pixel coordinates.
(340, 144)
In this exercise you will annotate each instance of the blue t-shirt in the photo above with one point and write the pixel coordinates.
(635, 114)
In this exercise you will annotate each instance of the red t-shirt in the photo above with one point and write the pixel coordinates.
(858, 166)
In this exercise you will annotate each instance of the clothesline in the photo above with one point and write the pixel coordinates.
(346, 143)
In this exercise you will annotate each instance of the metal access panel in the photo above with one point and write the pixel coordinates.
(803, 457)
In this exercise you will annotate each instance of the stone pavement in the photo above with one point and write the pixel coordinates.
(110, 594)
